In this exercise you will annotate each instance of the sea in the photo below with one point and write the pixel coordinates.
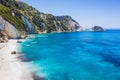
(74, 55)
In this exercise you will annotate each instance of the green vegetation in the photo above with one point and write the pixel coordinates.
(7, 15)
(37, 17)
(12, 11)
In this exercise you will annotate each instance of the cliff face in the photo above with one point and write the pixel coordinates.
(8, 30)
(23, 19)
(67, 23)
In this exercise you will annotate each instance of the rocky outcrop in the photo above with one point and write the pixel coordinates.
(59, 24)
(67, 23)
(97, 28)
(28, 25)
(8, 29)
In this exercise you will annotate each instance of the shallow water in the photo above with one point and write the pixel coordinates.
(75, 55)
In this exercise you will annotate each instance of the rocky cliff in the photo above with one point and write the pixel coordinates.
(7, 29)
(18, 18)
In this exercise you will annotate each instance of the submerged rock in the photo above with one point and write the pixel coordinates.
(36, 77)
(19, 41)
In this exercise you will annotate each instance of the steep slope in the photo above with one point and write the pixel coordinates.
(27, 20)
(48, 21)
(13, 19)
(7, 29)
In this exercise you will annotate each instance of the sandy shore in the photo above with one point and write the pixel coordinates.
(11, 68)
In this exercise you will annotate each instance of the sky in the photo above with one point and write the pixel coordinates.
(87, 13)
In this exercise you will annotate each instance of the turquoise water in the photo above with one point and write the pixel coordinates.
(75, 55)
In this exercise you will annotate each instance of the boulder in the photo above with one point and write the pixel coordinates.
(3, 37)
(14, 52)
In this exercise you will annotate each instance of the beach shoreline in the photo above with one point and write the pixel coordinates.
(11, 67)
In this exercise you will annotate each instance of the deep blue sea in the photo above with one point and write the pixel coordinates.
(75, 55)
